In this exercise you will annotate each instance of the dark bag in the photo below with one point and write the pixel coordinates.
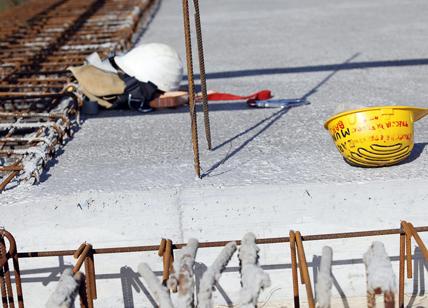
(137, 94)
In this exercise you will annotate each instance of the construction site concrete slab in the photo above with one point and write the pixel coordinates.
(127, 178)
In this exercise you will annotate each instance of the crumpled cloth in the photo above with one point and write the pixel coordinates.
(98, 84)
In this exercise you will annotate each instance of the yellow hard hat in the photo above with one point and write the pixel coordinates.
(375, 136)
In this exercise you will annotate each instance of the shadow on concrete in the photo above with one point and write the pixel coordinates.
(131, 280)
(315, 68)
(420, 265)
(270, 121)
(418, 149)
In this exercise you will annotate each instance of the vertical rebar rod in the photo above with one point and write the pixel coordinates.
(91, 263)
(13, 254)
(3, 285)
(18, 283)
(401, 274)
(409, 255)
(191, 85)
(408, 249)
(294, 270)
(88, 284)
(202, 73)
(304, 270)
(6, 274)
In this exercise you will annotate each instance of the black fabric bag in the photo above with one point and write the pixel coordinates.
(137, 94)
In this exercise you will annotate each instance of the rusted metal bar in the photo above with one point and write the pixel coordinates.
(91, 270)
(84, 256)
(202, 73)
(89, 298)
(3, 289)
(401, 270)
(7, 179)
(90, 278)
(81, 255)
(304, 270)
(5, 278)
(409, 255)
(10, 168)
(36, 50)
(276, 240)
(166, 252)
(408, 231)
(418, 240)
(295, 239)
(294, 269)
(191, 87)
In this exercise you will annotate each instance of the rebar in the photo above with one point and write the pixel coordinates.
(37, 44)
(275, 240)
(202, 73)
(295, 240)
(401, 271)
(5, 279)
(294, 270)
(85, 256)
(407, 232)
(304, 270)
(191, 87)
(166, 252)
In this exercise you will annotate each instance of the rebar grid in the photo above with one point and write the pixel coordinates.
(165, 249)
(38, 43)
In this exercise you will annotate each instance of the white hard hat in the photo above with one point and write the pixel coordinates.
(158, 63)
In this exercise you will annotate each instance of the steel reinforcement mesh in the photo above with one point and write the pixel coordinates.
(39, 107)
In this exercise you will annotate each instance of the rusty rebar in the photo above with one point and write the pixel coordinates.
(418, 240)
(294, 270)
(202, 73)
(81, 253)
(91, 271)
(304, 270)
(191, 87)
(401, 270)
(166, 252)
(41, 42)
(276, 240)
(407, 232)
(89, 285)
(409, 256)
(5, 279)
(295, 240)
